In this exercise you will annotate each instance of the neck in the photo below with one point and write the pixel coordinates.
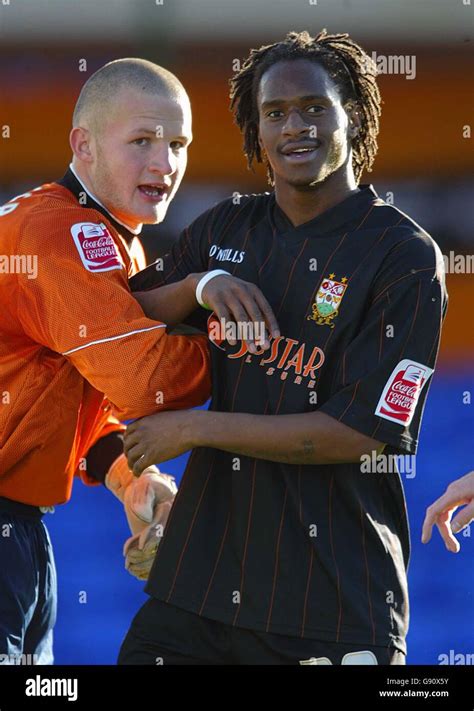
(303, 203)
(84, 178)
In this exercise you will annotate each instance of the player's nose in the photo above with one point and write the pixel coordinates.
(295, 124)
(163, 161)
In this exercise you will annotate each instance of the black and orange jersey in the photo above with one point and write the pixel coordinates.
(309, 551)
(70, 332)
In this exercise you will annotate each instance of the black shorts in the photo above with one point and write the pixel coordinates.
(165, 634)
(28, 587)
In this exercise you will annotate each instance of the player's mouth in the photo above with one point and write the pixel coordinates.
(301, 151)
(153, 192)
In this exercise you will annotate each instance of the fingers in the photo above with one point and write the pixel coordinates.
(140, 567)
(440, 513)
(167, 488)
(140, 542)
(141, 462)
(144, 537)
(223, 315)
(240, 320)
(463, 518)
(129, 543)
(160, 517)
(143, 499)
(138, 562)
(445, 502)
(138, 555)
(133, 454)
(153, 533)
(259, 321)
(138, 459)
(139, 570)
(443, 524)
(130, 438)
(132, 427)
(249, 321)
(430, 520)
(162, 485)
(269, 316)
(134, 449)
(141, 492)
(139, 573)
(140, 550)
(243, 304)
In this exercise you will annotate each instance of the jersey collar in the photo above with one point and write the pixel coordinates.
(71, 182)
(332, 220)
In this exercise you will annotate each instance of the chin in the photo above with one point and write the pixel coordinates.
(158, 216)
(158, 219)
(303, 177)
(305, 183)
(311, 181)
(153, 217)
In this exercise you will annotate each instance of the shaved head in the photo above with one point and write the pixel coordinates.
(132, 127)
(98, 97)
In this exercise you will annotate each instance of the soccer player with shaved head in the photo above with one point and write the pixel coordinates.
(76, 349)
(288, 542)
(107, 139)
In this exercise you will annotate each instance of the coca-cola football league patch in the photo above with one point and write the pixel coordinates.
(96, 247)
(402, 390)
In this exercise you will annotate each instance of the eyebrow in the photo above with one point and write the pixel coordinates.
(310, 97)
(153, 133)
(143, 130)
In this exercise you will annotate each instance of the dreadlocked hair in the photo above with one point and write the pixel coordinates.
(353, 71)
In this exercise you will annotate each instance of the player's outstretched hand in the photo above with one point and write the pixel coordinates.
(458, 493)
(140, 550)
(239, 302)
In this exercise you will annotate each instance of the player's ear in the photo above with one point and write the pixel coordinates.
(354, 119)
(79, 140)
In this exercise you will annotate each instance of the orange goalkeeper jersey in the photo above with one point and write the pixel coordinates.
(70, 332)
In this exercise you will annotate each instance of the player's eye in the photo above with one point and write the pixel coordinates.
(315, 109)
(144, 141)
(276, 113)
(176, 145)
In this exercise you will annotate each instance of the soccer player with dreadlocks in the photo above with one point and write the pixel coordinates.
(288, 542)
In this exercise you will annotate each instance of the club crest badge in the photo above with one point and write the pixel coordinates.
(328, 300)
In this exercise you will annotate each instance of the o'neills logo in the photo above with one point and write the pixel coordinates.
(287, 357)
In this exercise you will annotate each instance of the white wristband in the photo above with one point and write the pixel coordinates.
(202, 283)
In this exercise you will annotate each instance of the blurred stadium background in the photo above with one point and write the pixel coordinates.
(425, 160)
